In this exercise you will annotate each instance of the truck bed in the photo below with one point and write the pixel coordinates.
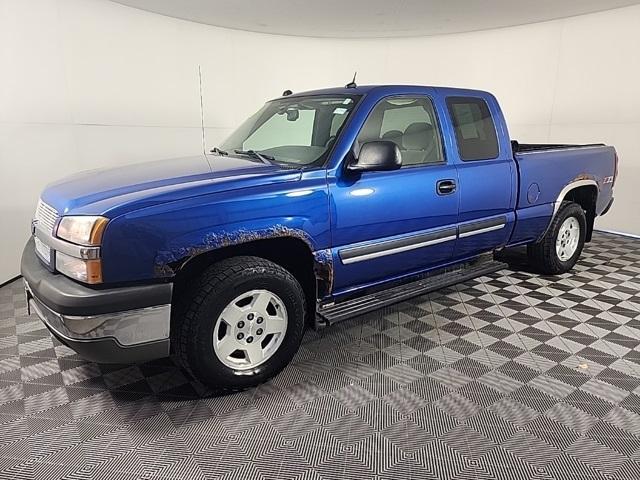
(546, 170)
(594, 163)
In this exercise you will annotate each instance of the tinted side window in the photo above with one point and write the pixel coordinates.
(409, 122)
(475, 130)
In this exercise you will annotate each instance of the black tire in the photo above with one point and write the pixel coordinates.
(199, 310)
(543, 255)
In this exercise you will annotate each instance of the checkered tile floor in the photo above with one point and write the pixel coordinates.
(513, 375)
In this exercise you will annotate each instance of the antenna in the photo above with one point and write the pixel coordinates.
(352, 83)
(204, 142)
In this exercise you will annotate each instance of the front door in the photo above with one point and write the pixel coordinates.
(393, 223)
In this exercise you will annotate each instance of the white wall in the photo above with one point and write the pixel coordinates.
(86, 83)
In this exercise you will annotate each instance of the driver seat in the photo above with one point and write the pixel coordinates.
(419, 144)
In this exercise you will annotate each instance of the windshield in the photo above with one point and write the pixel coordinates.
(298, 131)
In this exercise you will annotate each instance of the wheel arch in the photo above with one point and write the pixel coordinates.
(584, 192)
(313, 270)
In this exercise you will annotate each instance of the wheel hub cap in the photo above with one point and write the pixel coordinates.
(250, 329)
(568, 239)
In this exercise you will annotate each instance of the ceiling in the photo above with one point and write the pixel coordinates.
(371, 18)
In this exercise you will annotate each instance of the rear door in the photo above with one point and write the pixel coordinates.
(486, 173)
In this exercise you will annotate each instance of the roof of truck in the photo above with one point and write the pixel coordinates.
(363, 89)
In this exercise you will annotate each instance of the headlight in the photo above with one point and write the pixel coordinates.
(87, 271)
(83, 230)
(86, 231)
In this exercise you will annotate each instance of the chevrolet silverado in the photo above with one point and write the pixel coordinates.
(321, 206)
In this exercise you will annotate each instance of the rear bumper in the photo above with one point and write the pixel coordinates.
(118, 325)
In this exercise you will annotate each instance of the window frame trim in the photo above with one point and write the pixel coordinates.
(455, 135)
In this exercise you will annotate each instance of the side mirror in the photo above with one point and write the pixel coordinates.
(378, 155)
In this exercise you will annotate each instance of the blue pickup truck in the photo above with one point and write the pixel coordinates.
(321, 206)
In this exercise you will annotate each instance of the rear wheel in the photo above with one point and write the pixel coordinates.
(240, 324)
(558, 251)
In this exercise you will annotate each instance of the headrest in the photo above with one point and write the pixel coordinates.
(393, 135)
(418, 136)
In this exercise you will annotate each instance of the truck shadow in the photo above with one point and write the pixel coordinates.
(516, 257)
(517, 260)
(163, 380)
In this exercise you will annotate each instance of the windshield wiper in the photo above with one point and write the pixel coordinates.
(219, 151)
(260, 156)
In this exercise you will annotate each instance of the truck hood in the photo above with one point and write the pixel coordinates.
(112, 191)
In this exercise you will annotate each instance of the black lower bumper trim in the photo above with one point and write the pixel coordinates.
(67, 297)
(608, 207)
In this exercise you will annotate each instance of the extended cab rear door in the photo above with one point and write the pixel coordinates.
(486, 172)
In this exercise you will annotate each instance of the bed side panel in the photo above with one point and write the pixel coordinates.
(543, 176)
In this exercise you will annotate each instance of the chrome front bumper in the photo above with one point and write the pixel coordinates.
(120, 337)
(127, 328)
(106, 325)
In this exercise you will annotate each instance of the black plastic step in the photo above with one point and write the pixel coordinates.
(334, 313)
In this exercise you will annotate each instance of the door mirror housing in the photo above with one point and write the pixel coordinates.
(376, 156)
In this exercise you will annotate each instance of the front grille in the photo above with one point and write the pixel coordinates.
(46, 217)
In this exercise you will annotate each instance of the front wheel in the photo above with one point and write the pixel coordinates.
(241, 323)
(558, 251)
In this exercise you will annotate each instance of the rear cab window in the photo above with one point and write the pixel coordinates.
(474, 128)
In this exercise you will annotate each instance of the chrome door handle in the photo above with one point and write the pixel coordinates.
(445, 187)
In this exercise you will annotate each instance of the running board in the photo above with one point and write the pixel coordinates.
(334, 313)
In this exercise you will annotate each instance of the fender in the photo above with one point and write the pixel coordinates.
(168, 262)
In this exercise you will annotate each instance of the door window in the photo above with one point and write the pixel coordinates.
(409, 122)
(474, 127)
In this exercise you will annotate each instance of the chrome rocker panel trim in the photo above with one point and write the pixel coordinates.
(478, 227)
(396, 245)
(424, 239)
